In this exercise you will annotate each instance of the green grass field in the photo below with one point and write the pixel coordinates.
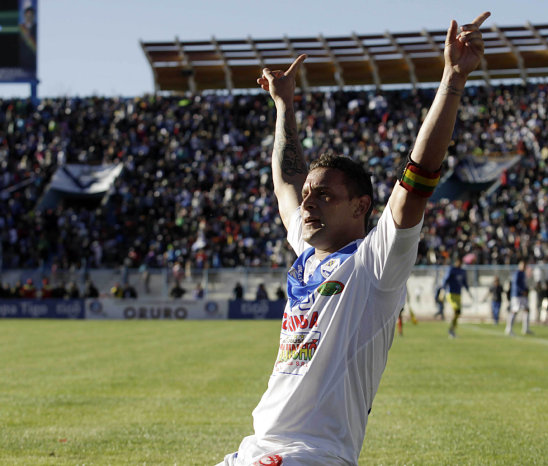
(97, 393)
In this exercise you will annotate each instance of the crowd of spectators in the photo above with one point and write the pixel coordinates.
(195, 190)
(45, 290)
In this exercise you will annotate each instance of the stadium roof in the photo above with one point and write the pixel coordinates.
(356, 60)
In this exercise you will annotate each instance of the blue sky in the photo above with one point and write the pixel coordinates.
(91, 47)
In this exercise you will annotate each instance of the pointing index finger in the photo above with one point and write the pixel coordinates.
(295, 65)
(481, 18)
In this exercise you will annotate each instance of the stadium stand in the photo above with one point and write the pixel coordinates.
(188, 185)
(195, 185)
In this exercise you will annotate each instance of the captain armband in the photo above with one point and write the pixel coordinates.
(418, 180)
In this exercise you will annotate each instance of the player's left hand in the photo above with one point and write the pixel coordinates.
(464, 51)
(280, 84)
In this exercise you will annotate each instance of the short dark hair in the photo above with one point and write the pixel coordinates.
(358, 180)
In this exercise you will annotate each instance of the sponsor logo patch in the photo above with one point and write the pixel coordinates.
(296, 351)
(297, 273)
(330, 288)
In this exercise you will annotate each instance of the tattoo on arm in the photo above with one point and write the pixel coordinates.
(288, 150)
(448, 89)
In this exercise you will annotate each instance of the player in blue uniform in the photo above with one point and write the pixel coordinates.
(519, 301)
(453, 282)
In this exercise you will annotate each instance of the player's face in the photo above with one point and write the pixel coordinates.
(327, 210)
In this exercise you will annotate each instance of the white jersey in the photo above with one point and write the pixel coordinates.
(333, 350)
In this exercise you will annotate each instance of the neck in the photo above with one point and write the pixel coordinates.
(321, 254)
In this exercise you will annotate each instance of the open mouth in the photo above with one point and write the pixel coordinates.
(313, 222)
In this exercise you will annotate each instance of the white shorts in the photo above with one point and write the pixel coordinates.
(297, 454)
(270, 460)
(519, 303)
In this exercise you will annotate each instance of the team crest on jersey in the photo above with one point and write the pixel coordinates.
(329, 267)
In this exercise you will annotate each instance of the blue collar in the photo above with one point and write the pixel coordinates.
(297, 289)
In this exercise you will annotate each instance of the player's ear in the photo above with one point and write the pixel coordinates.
(363, 203)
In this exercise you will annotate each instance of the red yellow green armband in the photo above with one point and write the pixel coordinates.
(418, 180)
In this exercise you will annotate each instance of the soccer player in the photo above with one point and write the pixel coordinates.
(345, 289)
(439, 298)
(519, 301)
(454, 281)
(495, 291)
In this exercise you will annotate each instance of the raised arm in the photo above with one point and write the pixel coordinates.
(463, 53)
(288, 166)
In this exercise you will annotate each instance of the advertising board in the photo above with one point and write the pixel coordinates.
(256, 309)
(18, 40)
(155, 309)
(46, 308)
